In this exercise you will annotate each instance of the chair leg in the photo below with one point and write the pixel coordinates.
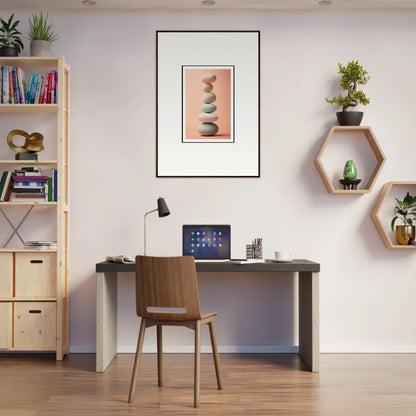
(215, 353)
(159, 355)
(197, 362)
(137, 360)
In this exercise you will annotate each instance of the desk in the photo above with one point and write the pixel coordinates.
(308, 272)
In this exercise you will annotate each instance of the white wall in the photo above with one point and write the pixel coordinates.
(366, 291)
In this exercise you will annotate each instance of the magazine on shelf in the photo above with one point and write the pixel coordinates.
(120, 259)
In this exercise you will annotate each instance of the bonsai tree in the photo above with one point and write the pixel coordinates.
(39, 29)
(9, 35)
(352, 76)
(406, 210)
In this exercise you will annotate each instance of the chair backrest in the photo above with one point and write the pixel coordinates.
(164, 285)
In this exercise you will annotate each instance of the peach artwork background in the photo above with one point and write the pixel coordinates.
(193, 102)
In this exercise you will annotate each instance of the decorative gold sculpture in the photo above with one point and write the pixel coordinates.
(33, 142)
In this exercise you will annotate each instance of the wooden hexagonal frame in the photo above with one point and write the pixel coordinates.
(375, 214)
(375, 148)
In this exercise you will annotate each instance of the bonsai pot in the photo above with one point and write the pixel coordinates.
(405, 234)
(40, 48)
(349, 118)
(8, 51)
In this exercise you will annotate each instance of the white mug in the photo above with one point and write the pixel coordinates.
(283, 255)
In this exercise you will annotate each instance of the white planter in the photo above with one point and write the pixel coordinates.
(40, 48)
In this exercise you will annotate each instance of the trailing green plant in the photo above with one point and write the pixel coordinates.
(9, 35)
(406, 210)
(40, 28)
(352, 76)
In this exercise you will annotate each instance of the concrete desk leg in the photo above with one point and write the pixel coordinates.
(106, 342)
(309, 319)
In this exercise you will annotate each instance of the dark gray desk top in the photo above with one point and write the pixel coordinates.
(297, 265)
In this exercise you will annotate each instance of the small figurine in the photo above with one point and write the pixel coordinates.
(350, 180)
(33, 144)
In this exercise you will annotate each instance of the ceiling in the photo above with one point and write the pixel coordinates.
(219, 5)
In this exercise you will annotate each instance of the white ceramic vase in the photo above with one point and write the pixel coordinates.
(40, 48)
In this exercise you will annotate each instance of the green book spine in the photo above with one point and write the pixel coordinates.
(49, 189)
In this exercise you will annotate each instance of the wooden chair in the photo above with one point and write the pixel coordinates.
(167, 294)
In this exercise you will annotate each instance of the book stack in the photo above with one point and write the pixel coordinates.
(29, 185)
(40, 245)
(41, 89)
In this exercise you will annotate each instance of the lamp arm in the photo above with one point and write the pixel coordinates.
(144, 223)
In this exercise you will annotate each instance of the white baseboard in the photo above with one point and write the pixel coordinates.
(82, 349)
(250, 349)
(259, 349)
(368, 349)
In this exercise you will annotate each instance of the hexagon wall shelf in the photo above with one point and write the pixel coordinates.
(375, 214)
(374, 146)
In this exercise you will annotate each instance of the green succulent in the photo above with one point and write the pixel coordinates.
(353, 75)
(9, 35)
(406, 210)
(40, 29)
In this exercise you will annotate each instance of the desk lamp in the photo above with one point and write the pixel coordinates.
(163, 211)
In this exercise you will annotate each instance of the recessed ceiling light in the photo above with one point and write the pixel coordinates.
(325, 2)
(208, 2)
(89, 2)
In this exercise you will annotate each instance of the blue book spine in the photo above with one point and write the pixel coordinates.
(15, 86)
(34, 89)
(55, 185)
(29, 88)
(6, 87)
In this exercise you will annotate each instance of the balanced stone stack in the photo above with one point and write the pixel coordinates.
(207, 118)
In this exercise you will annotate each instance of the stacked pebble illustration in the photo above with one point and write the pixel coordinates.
(207, 118)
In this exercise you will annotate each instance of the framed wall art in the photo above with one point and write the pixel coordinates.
(208, 104)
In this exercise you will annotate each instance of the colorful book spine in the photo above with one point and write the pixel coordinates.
(55, 185)
(3, 179)
(6, 90)
(21, 81)
(15, 86)
(56, 87)
(11, 86)
(45, 92)
(40, 178)
(49, 189)
(38, 89)
(29, 88)
(5, 194)
(1, 84)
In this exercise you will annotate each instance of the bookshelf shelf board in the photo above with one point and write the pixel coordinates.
(29, 163)
(27, 250)
(28, 108)
(28, 299)
(20, 204)
(31, 61)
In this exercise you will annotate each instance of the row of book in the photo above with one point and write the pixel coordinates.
(40, 89)
(27, 184)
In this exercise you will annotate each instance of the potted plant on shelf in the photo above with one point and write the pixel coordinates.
(10, 42)
(41, 35)
(407, 213)
(352, 76)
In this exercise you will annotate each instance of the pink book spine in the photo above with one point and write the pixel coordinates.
(53, 87)
(45, 90)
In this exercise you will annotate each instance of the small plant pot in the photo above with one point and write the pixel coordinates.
(405, 234)
(7, 51)
(349, 118)
(40, 48)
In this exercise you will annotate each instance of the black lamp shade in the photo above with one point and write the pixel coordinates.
(162, 208)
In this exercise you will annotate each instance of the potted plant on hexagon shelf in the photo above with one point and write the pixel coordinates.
(407, 213)
(352, 76)
(41, 35)
(10, 42)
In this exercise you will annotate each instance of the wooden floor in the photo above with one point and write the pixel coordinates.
(264, 384)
